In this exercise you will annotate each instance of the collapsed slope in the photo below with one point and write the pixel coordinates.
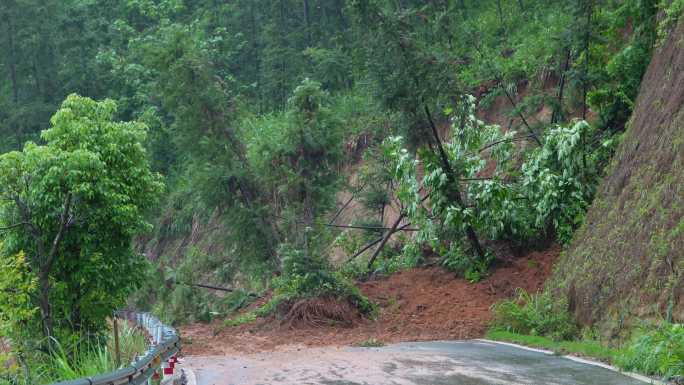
(414, 305)
(626, 262)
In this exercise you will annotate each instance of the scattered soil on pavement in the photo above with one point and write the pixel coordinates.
(419, 304)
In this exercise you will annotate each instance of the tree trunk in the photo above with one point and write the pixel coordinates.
(12, 58)
(255, 50)
(557, 115)
(386, 238)
(44, 303)
(500, 10)
(587, 42)
(307, 19)
(454, 193)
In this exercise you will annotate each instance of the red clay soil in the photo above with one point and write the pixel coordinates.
(415, 305)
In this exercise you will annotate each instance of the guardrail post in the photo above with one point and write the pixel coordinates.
(117, 347)
(159, 334)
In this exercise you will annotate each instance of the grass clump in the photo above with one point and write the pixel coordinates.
(536, 315)
(90, 357)
(73, 358)
(658, 351)
(370, 343)
(585, 348)
(240, 319)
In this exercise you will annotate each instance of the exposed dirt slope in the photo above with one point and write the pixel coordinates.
(626, 262)
(418, 304)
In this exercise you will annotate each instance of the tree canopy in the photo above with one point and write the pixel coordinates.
(72, 206)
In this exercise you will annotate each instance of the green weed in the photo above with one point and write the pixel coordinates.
(240, 320)
(370, 343)
(659, 351)
(535, 314)
(585, 348)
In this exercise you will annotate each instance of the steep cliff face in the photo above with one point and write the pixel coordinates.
(626, 262)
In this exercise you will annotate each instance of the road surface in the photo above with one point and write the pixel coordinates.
(424, 363)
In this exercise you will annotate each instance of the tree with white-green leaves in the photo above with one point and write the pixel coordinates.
(545, 194)
(72, 206)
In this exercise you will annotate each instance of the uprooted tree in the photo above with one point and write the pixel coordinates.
(545, 194)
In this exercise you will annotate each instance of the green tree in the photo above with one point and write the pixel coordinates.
(73, 206)
(297, 156)
(17, 284)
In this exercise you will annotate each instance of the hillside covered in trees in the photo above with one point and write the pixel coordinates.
(282, 162)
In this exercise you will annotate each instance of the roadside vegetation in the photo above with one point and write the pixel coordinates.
(537, 320)
(85, 357)
(217, 147)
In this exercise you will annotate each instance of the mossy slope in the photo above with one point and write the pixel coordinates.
(626, 262)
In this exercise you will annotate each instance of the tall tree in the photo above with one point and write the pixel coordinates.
(72, 206)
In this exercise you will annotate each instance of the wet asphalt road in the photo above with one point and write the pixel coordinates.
(424, 363)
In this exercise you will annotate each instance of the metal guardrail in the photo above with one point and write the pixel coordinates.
(164, 344)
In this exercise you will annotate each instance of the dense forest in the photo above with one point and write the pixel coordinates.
(127, 125)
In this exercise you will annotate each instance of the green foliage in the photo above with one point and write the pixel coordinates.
(16, 307)
(371, 343)
(306, 276)
(298, 153)
(239, 320)
(584, 347)
(254, 109)
(656, 351)
(535, 314)
(83, 357)
(549, 192)
(394, 258)
(473, 269)
(673, 10)
(88, 358)
(617, 61)
(560, 179)
(73, 206)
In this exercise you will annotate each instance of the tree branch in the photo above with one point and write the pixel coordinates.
(64, 220)
(375, 242)
(14, 226)
(384, 240)
(204, 286)
(499, 81)
(341, 210)
(348, 226)
(514, 139)
(368, 246)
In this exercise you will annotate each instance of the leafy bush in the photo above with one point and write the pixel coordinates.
(535, 314)
(305, 276)
(559, 179)
(473, 269)
(658, 351)
(354, 270)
